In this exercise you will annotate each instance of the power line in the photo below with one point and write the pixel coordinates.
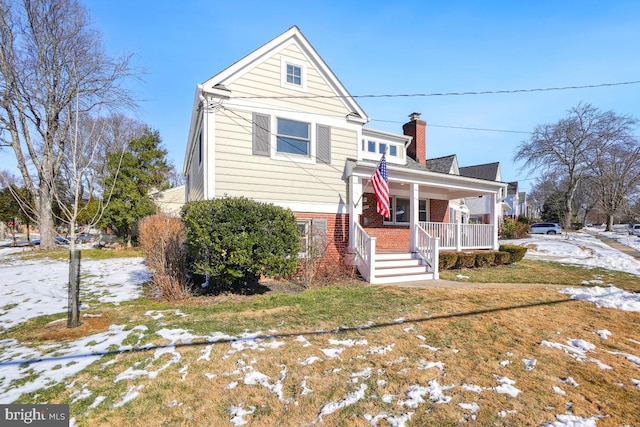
(459, 127)
(424, 95)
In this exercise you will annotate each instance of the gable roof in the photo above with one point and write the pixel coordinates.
(292, 35)
(488, 171)
(445, 164)
(512, 188)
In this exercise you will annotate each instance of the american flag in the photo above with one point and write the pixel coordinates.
(380, 183)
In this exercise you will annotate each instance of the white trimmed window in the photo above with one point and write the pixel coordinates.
(374, 146)
(293, 74)
(400, 210)
(293, 137)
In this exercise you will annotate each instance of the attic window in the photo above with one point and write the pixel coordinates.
(293, 74)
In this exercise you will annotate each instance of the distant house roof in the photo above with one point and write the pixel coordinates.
(443, 164)
(512, 188)
(488, 171)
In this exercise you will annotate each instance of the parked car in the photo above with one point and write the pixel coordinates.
(634, 229)
(545, 228)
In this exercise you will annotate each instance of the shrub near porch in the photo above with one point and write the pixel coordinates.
(508, 254)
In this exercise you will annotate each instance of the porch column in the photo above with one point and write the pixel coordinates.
(413, 215)
(493, 204)
(355, 196)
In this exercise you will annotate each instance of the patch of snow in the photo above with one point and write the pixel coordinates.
(128, 396)
(558, 390)
(310, 360)
(630, 357)
(332, 352)
(472, 407)
(570, 381)
(529, 364)
(238, 413)
(381, 349)
(349, 399)
(603, 333)
(609, 297)
(569, 420)
(506, 387)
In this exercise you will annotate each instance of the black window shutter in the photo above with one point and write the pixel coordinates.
(319, 235)
(261, 134)
(323, 148)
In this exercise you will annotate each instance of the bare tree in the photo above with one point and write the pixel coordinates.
(616, 175)
(50, 60)
(569, 147)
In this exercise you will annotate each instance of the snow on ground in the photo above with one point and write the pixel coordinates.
(582, 249)
(30, 288)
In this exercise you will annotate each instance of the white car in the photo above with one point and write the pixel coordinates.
(634, 229)
(545, 228)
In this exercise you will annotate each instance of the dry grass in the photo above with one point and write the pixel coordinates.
(476, 331)
(545, 272)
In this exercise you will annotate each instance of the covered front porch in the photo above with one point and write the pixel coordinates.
(427, 217)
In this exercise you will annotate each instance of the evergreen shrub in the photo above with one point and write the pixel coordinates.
(234, 240)
(466, 260)
(447, 260)
(516, 253)
(484, 259)
(501, 258)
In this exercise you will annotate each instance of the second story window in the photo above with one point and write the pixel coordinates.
(293, 137)
(294, 75)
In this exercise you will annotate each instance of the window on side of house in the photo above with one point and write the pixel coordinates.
(304, 228)
(293, 137)
(294, 75)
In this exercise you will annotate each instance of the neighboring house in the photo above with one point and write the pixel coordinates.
(169, 201)
(481, 208)
(524, 208)
(513, 200)
(279, 127)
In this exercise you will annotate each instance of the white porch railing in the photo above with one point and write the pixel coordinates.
(427, 249)
(365, 247)
(457, 236)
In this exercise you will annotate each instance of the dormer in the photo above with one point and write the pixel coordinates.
(375, 142)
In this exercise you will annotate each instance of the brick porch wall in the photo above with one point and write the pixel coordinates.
(337, 233)
(396, 237)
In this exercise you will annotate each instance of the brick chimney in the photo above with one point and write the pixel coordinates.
(417, 128)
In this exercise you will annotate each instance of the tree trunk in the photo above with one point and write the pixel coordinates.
(73, 310)
(609, 226)
(45, 218)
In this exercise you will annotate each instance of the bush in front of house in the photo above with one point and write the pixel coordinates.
(234, 240)
(466, 260)
(162, 242)
(484, 259)
(501, 258)
(447, 260)
(516, 253)
(514, 229)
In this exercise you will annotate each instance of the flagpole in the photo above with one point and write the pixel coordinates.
(371, 177)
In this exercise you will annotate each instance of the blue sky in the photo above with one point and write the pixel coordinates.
(380, 47)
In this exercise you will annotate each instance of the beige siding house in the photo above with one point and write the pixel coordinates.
(278, 127)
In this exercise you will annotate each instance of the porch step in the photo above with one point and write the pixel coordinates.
(399, 267)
